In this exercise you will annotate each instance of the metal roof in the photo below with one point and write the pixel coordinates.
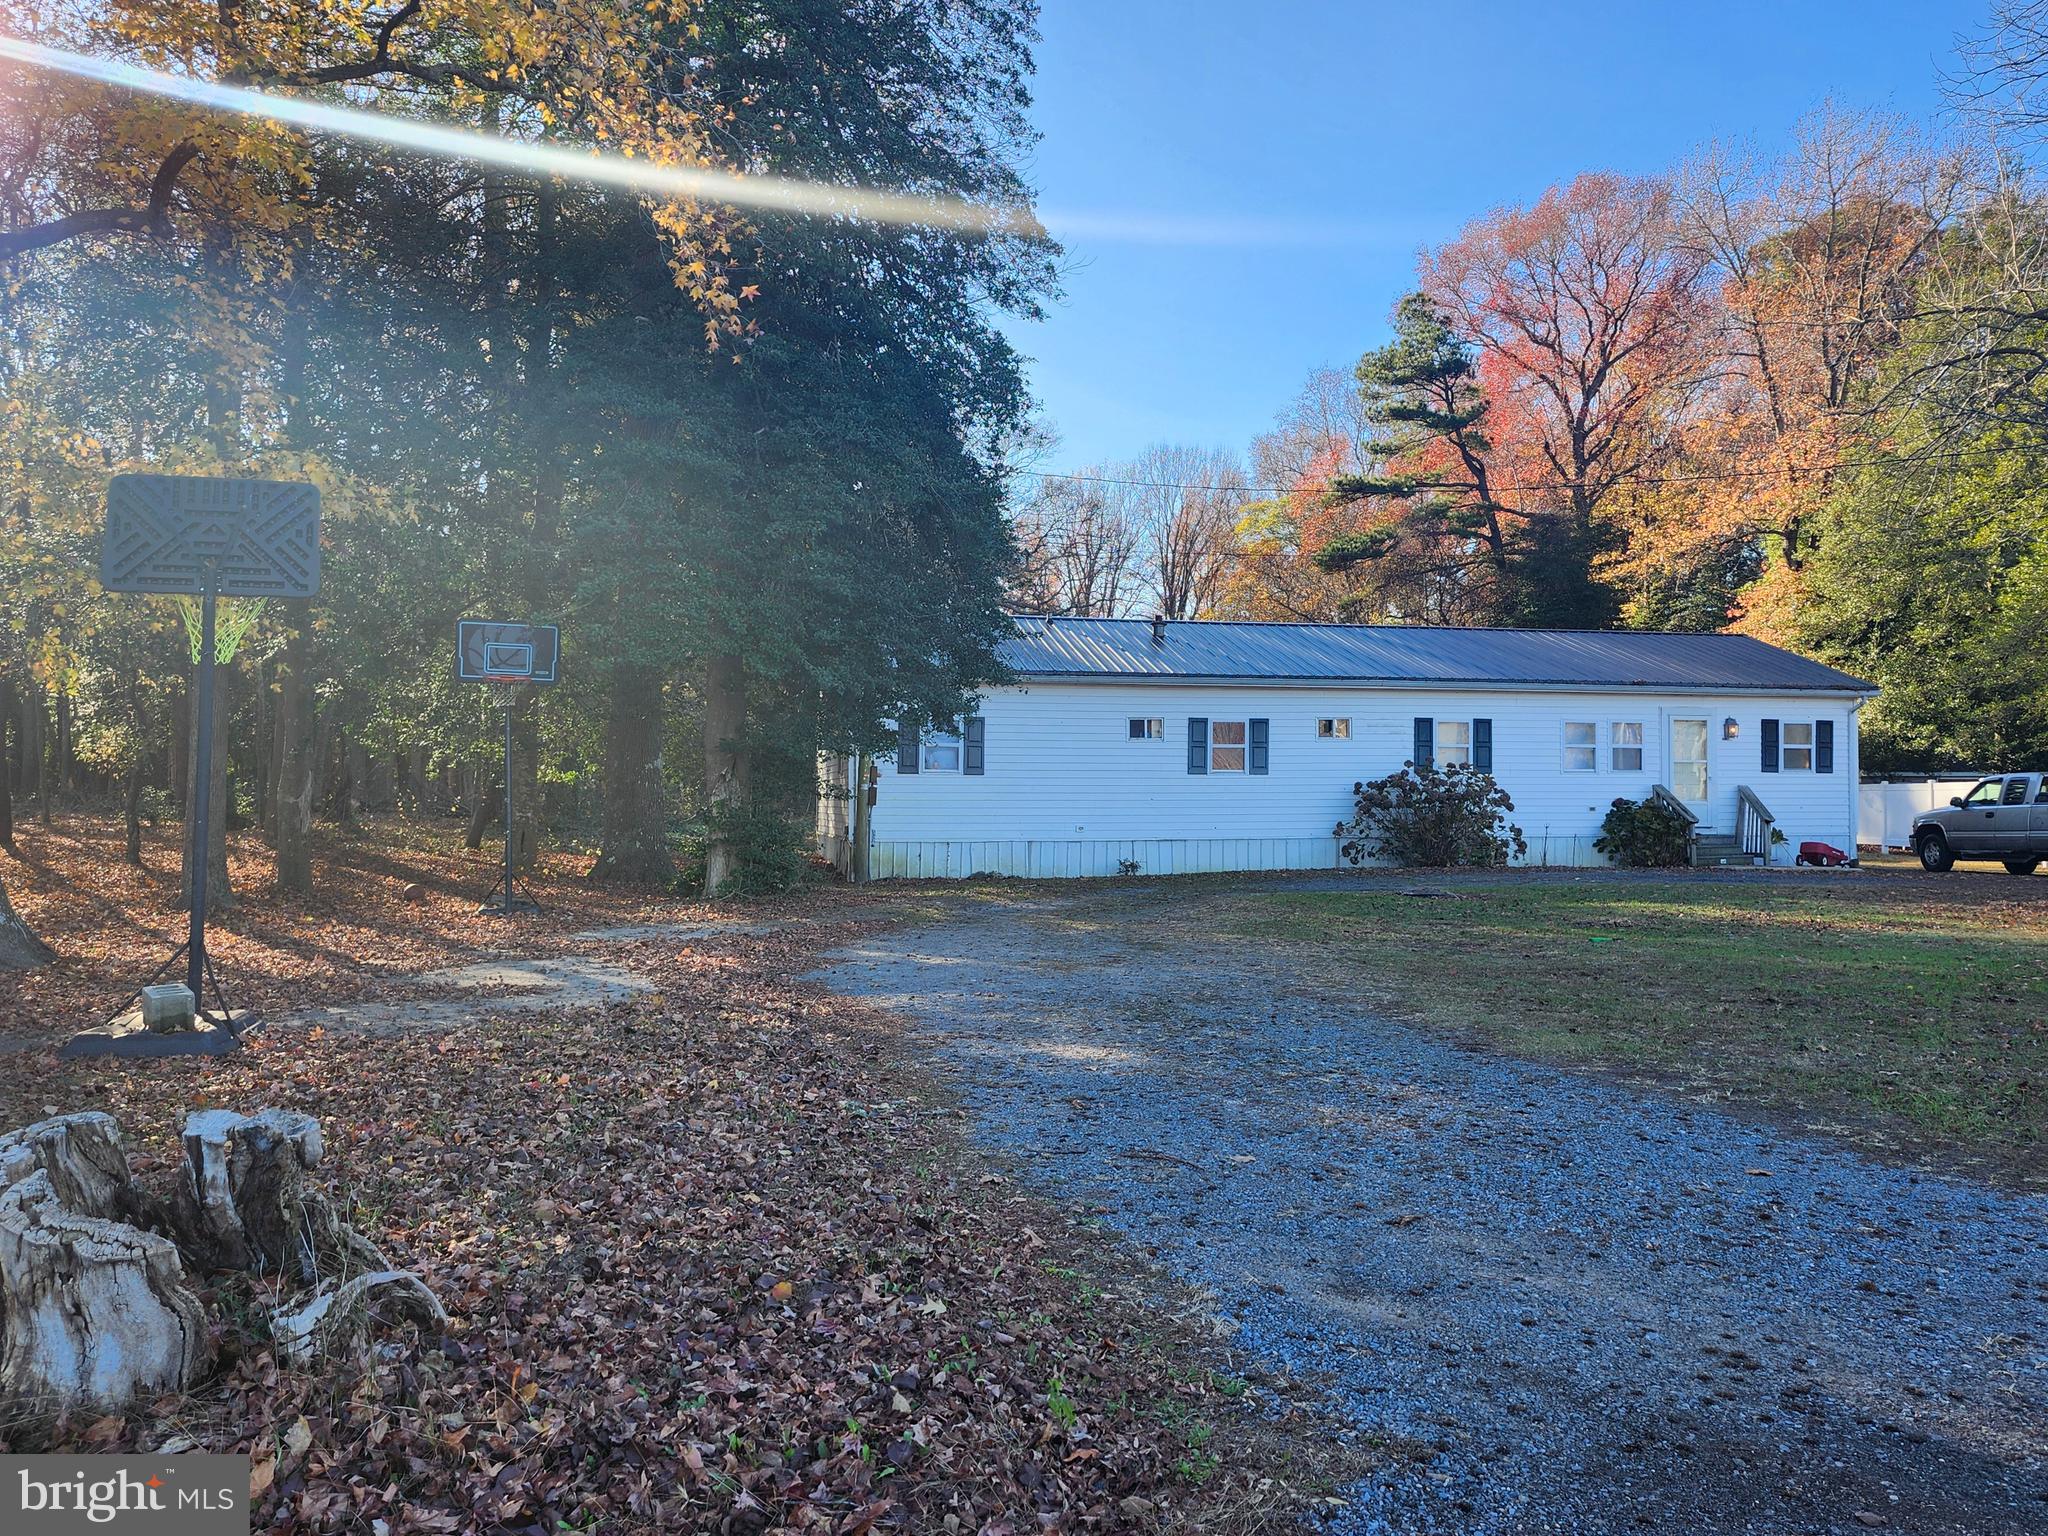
(1408, 655)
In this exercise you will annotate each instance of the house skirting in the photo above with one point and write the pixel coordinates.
(1080, 858)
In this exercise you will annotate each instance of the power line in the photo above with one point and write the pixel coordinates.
(1714, 477)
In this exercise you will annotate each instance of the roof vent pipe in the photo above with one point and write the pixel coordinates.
(1159, 629)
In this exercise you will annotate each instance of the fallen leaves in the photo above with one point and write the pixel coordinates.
(712, 1264)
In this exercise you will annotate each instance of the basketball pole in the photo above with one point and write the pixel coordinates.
(504, 900)
(202, 789)
(508, 808)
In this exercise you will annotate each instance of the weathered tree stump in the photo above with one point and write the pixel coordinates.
(85, 1156)
(90, 1308)
(245, 1202)
(93, 1300)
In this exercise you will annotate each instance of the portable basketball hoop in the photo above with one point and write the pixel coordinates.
(207, 538)
(511, 660)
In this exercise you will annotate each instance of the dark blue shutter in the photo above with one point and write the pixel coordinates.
(906, 748)
(1770, 746)
(1425, 741)
(1260, 735)
(1823, 746)
(1482, 745)
(974, 745)
(1198, 746)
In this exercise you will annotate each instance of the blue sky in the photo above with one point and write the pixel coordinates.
(1397, 121)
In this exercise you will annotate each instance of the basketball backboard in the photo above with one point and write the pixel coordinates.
(184, 533)
(489, 651)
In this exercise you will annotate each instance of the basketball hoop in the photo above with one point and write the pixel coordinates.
(508, 692)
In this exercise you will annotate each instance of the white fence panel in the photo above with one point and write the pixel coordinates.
(1885, 812)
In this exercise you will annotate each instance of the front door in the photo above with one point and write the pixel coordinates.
(1689, 766)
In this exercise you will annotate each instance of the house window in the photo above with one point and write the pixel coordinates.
(1148, 730)
(1226, 746)
(1798, 748)
(1581, 746)
(1333, 729)
(941, 752)
(1453, 742)
(1625, 754)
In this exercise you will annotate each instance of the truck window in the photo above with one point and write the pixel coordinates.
(2015, 791)
(1984, 794)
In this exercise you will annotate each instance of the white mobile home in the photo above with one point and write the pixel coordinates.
(1174, 747)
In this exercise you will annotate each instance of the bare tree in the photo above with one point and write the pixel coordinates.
(1078, 545)
(1187, 503)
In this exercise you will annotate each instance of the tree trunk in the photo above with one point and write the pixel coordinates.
(181, 743)
(634, 845)
(298, 755)
(138, 769)
(862, 821)
(20, 949)
(358, 792)
(483, 808)
(526, 806)
(10, 744)
(219, 895)
(37, 718)
(726, 767)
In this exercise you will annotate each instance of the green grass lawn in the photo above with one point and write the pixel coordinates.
(1870, 1004)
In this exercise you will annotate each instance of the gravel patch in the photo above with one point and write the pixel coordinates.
(1606, 1311)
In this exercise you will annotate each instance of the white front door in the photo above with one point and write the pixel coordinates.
(1689, 765)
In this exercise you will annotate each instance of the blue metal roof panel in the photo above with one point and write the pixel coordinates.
(1408, 654)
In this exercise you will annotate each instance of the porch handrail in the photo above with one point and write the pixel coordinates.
(1676, 806)
(1753, 823)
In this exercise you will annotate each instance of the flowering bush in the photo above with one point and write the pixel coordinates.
(1432, 817)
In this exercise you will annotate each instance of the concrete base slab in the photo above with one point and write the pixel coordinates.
(126, 1037)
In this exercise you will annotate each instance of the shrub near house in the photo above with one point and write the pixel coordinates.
(1644, 834)
(1431, 817)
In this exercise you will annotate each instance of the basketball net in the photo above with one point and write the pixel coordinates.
(233, 618)
(508, 692)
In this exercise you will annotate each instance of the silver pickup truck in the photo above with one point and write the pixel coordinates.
(2004, 819)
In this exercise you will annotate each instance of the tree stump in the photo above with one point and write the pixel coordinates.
(90, 1307)
(93, 1300)
(85, 1156)
(245, 1202)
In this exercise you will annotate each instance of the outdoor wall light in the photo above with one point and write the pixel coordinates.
(1729, 729)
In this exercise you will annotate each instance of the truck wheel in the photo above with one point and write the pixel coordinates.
(2021, 866)
(1936, 857)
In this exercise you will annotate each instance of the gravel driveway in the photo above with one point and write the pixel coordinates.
(1606, 1311)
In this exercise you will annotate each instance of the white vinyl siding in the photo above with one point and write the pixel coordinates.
(1061, 792)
